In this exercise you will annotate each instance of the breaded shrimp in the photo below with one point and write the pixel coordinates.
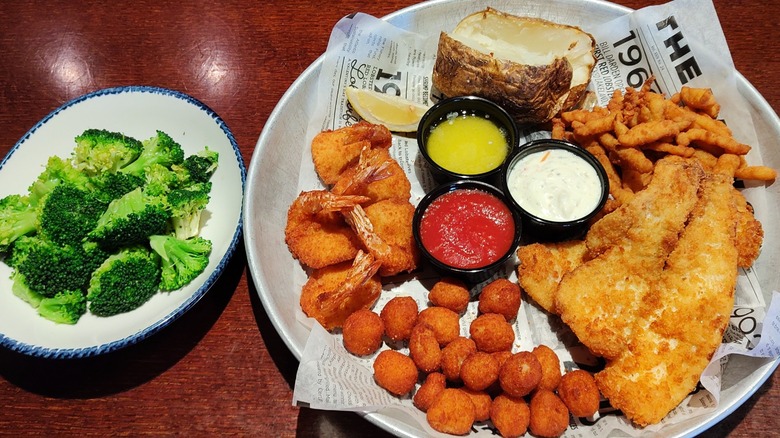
(316, 232)
(333, 293)
(385, 229)
(333, 150)
(376, 175)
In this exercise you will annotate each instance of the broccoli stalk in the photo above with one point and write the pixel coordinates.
(130, 220)
(64, 308)
(124, 281)
(17, 218)
(161, 149)
(186, 205)
(98, 151)
(182, 259)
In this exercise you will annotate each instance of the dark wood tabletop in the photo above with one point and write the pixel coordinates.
(222, 369)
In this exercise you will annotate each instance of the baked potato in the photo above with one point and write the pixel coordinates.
(534, 68)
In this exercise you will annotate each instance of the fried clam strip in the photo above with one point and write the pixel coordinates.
(334, 292)
(333, 151)
(600, 299)
(680, 322)
(316, 232)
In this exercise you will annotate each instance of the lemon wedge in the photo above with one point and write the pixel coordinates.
(396, 113)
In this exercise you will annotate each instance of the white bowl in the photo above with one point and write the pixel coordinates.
(137, 111)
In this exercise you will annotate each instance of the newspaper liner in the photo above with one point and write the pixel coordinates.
(366, 52)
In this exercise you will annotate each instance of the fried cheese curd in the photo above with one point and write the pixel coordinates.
(362, 332)
(452, 412)
(395, 372)
(549, 417)
(444, 322)
(520, 374)
(510, 415)
(453, 355)
(450, 293)
(492, 333)
(399, 316)
(433, 385)
(551, 367)
(579, 393)
(424, 349)
(482, 402)
(500, 296)
(479, 370)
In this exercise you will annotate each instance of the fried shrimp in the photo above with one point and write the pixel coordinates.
(316, 232)
(385, 228)
(333, 293)
(333, 150)
(376, 175)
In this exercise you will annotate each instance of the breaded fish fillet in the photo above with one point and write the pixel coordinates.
(680, 322)
(543, 265)
(600, 299)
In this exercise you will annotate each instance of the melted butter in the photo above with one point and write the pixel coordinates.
(467, 144)
(555, 185)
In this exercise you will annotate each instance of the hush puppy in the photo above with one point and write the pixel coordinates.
(500, 296)
(452, 412)
(399, 316)
(434, 384)
(479, 370)
(362, 332)
(579, 393)
(424, 348)
(520, 374)
(491, 332)
(549, 416)
(450, 293)
(444, 322)
(453, 355)
(551, 367)
(395, 372)
(510, 415)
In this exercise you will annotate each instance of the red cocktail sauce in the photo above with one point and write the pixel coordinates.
(467, 228)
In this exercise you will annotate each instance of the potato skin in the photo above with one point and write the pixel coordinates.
(530, 93)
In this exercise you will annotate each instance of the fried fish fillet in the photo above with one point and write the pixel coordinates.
(543, 265)
(681, 320)
(600, 299)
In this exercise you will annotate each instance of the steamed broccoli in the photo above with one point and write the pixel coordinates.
(110, 186)
(161, 149)
(131, 219)
(159, 180)
(69, 213)
(186, 205)
(64, 308)
(98, 151)
(182, 260)
(197, 168)
(57, 170)
(17, 218)
(124, 281)
(48, 268)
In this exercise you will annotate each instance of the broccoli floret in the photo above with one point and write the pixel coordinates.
(48, 268)
(110, 186)
(186, 206)
(17, 218)
(131, 219)
(69, 213)
(21, 290)
(159, 180)
(182, 260)
(57, 170)
(197, 168)
(124, 281)
(64, 308)
(161, 149)
(98, 151)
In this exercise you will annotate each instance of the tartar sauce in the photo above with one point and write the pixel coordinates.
(555, 185)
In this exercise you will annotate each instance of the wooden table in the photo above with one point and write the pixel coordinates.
(222, 369)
